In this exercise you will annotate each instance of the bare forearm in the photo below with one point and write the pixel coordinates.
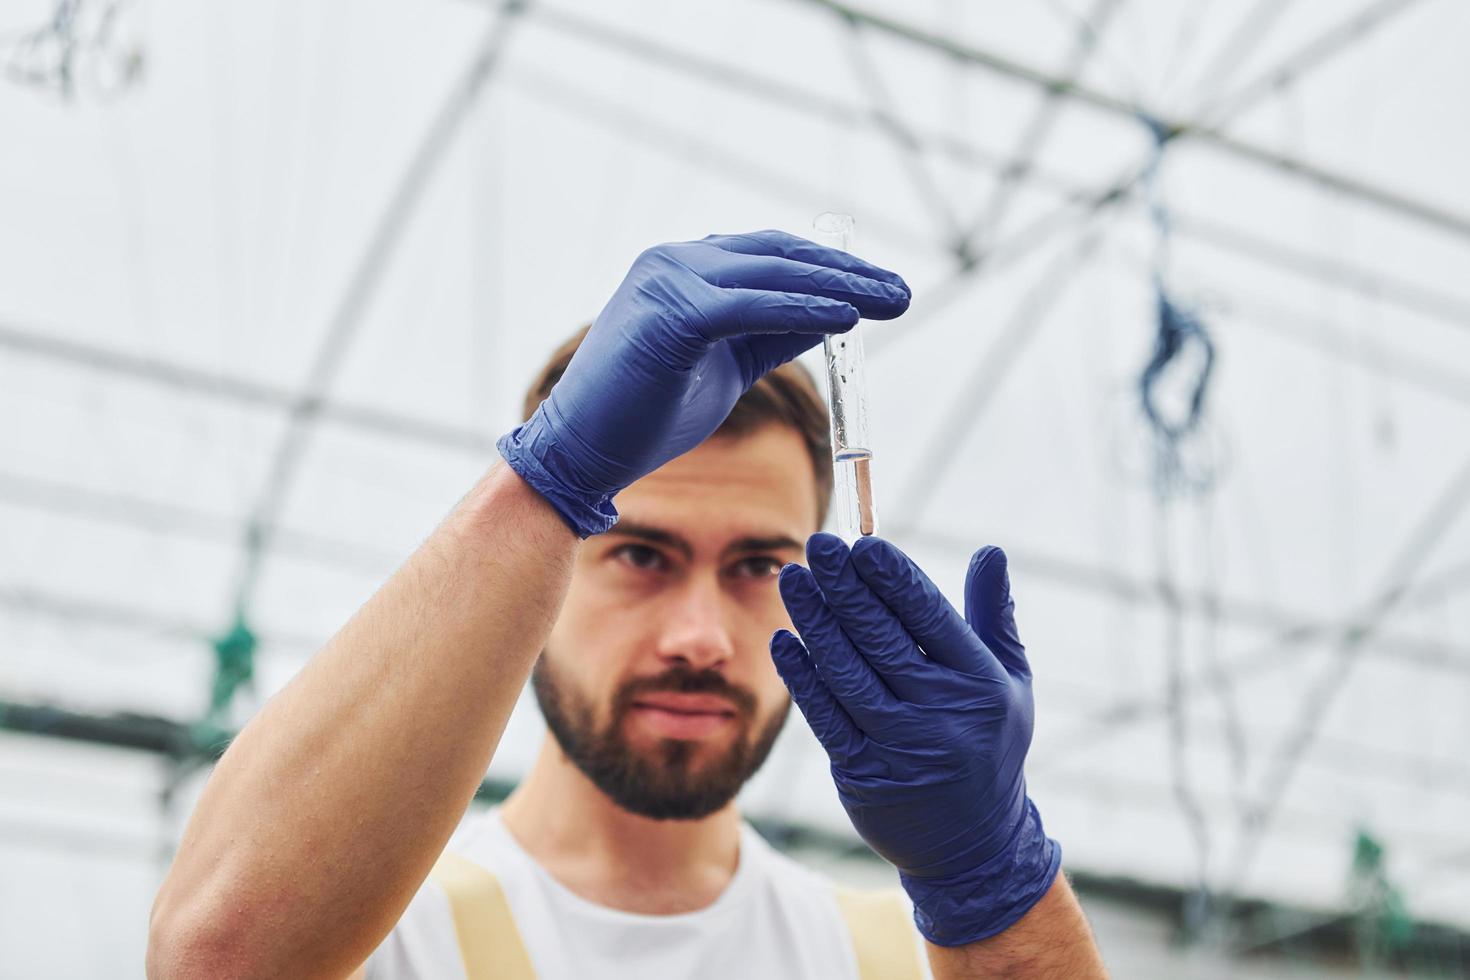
(1050, 942)
(328, 811)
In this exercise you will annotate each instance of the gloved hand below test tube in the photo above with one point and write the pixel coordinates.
(926, 717)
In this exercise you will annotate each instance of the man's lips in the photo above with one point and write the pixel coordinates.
(686, 704)
(688, 717)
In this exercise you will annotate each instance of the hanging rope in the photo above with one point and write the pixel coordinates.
(1182, 349)
(1182, 360)
(1178, 329)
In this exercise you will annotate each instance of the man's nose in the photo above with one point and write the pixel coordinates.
(696, 630)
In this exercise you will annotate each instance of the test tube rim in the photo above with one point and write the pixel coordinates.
(834, 223)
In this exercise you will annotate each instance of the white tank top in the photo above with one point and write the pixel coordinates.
(775, 920)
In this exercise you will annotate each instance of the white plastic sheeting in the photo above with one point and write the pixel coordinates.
(176, 254)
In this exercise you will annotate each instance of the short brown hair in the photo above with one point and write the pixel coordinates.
(786, 396)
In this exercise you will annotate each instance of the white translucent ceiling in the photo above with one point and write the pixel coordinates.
(176, 255)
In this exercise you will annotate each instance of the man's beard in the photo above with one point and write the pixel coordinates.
(658, 782)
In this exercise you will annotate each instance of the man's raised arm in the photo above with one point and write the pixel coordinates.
(328, 811)
(330, 808)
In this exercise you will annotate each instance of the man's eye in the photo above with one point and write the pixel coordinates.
(640, 556)
(757, 568)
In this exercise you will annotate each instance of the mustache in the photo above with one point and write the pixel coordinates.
(685, 680)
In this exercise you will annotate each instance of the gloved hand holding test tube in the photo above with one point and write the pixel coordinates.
(852, 450)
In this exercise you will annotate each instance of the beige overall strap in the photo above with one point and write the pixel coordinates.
(882, 933)
(489, 942)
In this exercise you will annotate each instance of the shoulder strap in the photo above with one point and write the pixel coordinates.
(489, 942)
(882, 933)
(491, 947)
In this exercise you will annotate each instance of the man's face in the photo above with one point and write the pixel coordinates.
(656, 680)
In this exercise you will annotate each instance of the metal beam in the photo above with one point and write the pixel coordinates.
(1437, 588)
(74, 610)
(948, 436)
(1307, 58)
(1431, 376)
(367, 274)
(679, 144)
(1339, 183)
(1351, 639)
(773, 91)
(905, 140)
(604, 112)
(1116, 718)
(184, 743)
(1248, 32)
(1121, 189)
(238, 390)
(122, 730)
(1373, 285)
(1292, 626)
(781, 93)
(1034, 136)
(177, 520)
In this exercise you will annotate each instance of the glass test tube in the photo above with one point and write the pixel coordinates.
(852, 452)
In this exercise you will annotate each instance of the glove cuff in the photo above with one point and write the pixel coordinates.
(527, 450)
(965, 908)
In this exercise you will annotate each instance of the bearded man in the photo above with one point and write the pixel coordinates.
(643, 553)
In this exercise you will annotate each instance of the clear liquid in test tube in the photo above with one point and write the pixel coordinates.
(852, 450)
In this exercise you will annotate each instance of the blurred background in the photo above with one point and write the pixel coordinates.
(1190, 338)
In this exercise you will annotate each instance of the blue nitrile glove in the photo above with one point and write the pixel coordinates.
(691, 328)
(926, 717)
